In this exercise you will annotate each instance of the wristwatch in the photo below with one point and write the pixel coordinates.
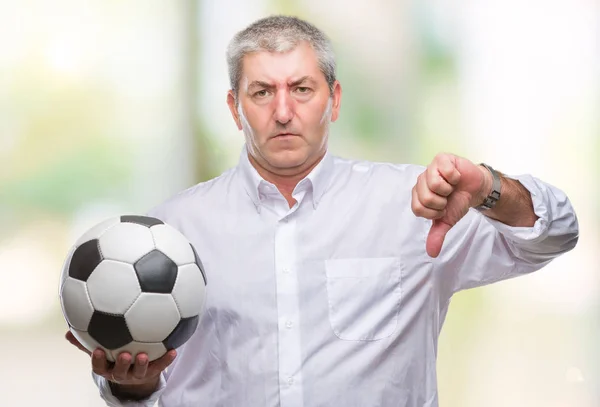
(490, 201)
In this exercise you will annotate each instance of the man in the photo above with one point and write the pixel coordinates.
(329, 279)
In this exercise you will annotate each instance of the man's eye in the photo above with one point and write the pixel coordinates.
(302, 89)
(261, 93)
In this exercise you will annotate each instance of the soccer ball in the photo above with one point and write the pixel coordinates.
(134, 284)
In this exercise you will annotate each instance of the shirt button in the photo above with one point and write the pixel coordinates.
(289, 324)
(286, 270)
(290, 381)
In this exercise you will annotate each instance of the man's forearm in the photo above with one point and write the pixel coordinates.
(134, 392)
(515, 206)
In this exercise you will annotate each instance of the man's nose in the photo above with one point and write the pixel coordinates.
(284, 110)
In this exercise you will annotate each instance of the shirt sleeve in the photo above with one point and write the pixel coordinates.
(112, 401)
(479, 250)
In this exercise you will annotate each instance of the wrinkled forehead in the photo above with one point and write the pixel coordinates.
(280, 67)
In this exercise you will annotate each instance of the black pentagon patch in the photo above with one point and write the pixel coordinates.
(199, 264)
(141, 220)
(109, 330)
(182, 332)
(85, 259)
(156, 272)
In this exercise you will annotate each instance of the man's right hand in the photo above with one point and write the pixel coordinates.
(129, 379)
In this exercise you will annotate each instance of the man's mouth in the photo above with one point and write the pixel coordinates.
(284, 135)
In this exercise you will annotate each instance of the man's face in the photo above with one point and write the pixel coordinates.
(285, 108)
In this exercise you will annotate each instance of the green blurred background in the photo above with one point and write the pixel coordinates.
(109, 107)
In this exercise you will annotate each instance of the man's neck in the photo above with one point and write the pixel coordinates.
(285, 183)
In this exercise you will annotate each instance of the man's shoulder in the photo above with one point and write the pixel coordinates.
(192, 196)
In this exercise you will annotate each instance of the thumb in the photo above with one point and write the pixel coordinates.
(71, 338)
(436, 236)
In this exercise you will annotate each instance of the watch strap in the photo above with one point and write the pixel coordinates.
(490, 201)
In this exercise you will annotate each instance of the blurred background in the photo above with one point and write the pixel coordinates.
(109, 107)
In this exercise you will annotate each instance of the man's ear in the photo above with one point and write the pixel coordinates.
(233, 109)
(337, 101)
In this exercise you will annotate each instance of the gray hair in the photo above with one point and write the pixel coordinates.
(279, 34)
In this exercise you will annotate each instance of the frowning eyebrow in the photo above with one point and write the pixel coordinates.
(302, 80)
(260, 84)
(266, 85)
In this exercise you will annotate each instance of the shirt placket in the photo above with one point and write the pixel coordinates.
(290, 357)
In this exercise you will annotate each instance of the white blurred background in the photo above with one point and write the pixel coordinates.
(109, 107)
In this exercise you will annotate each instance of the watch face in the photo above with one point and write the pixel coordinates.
(490, 203)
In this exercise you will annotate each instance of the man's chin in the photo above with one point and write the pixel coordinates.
(285, 159)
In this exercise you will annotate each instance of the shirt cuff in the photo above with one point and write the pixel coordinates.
(112, 401)
(537, 232)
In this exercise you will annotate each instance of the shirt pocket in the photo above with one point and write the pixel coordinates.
(364, 297)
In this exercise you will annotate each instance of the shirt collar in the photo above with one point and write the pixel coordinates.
(319, 178)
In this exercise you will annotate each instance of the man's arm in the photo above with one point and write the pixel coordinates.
(451, 185)
(113, 394)
(531, 224)
(515, 206)
(135, 392)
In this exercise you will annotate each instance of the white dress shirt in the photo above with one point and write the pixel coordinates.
(333, 302)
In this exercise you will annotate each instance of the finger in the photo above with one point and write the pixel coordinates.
(73, 341)
(435, 239)
(163, 362)
(420, 210)
(447, 168)
(99, 362)
(437, 183)
(141, 366)
(428, 198)
(122, 365)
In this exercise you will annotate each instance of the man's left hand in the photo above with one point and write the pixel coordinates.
(445, 191)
